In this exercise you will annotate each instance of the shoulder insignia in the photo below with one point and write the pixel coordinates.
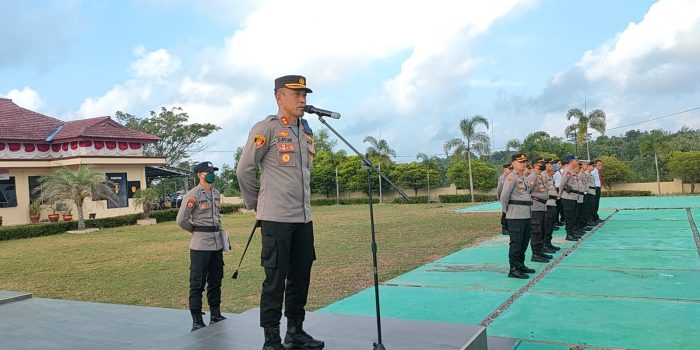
(510, 180)
(190, 202)
(284, 121)
(259, 140)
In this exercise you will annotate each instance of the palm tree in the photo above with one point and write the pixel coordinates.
(146, 198)
(594, 120)
(477, 142)
(379, 148)
(654, 142)
(64, 184)
(513, 144)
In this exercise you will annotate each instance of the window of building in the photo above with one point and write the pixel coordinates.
(34, 192)
(8, 193)
(119, 182)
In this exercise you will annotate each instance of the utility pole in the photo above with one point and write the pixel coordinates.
(428, 185)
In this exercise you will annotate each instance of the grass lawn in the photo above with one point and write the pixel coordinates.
(149, 265)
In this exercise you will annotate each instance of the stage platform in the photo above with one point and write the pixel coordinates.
(39, 323)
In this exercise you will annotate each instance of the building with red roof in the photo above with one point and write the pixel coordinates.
(33, 144)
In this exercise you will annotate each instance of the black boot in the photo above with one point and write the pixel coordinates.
(516, 273)
(272, 339)
(215, 315)
(538, 258)
(197, 321)
(552, 247)
(541, 253)
(570, 236)
(525, 269)
(547, 249)
(296, 338)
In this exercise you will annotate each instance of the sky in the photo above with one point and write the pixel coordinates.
(406, 71)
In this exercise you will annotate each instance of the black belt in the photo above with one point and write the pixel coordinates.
(552, 197)
(574, 191)
(543, 201)
(528, 203)
(206, 228)
(592, 187)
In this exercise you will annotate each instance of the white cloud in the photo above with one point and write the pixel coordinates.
(648, 70)
(26, 98)
(156, 65)
(121, 97)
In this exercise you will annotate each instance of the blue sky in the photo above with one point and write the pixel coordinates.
(408, 70)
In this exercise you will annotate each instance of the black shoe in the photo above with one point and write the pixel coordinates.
(272, 339)
(571, 237)
(539, 258)
(542, 254)
(215, 315)
(296, 338)
(516, 273)
(524, 269)
(548, 250)
(197, 321)
(553, 247)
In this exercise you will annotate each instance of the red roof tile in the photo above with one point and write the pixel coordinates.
(17, 123)
(102, 128)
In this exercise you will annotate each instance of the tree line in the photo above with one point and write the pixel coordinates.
(468, 161)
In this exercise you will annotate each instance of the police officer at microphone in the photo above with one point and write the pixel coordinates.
(200, 214)
(282, 146)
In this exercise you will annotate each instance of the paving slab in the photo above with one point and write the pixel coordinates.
(600, 321)
(429, 304)
(641, 243)
(609, 203)
(670, 260)
(460, 276)
(667, 284)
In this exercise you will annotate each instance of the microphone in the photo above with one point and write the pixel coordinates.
(321, 112)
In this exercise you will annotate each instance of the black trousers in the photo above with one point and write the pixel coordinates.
(206, 268)
(504, 223)
(569, 206)
(287, 255)
(519, 231)
(550, 218)
(578, 214)
(560, 211)
(597, 203)
(588, 204)
(537, 232)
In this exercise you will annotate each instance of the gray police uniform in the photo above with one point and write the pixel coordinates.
(516, 203)
(578, 182)
(569, 195)
(200, 214)
(550, 217)
(539, 195)
(589, 199)
(499, 187)
(282, 201)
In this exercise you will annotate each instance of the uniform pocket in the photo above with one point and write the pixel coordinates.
(268, 254)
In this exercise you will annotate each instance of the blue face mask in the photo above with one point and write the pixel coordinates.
(556, 167)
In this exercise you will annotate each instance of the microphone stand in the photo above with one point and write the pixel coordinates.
(367, 164)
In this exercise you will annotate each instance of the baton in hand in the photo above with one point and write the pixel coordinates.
(252, 233)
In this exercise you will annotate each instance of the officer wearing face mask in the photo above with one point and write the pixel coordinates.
(200, 215)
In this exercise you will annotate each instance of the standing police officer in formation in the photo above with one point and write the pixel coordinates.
(568, 194)
(589, 198)
(551, 213)
(579, 186)
(200, 214)
(539, 195)
(507, 168)
(598, 184)
(516, 202)
(558, 165)
(282, 146)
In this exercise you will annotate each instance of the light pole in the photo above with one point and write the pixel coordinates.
(588, 150)
(337, 188)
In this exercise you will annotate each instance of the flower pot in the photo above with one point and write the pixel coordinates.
(53, 217)
(34, 218)
(67, 217)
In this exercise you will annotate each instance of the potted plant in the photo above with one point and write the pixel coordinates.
(67, 216)
(146, 198)
(34, 212)
(53, 217)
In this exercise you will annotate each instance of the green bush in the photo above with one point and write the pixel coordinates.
(346, 201)
(164, 215)
(115, 221)
(465, 198)
(231, 208)
(411, 200)
(622, 193)
(35, 230)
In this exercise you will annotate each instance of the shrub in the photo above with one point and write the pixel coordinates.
(231, 208)
(412, 200)
(346, 201)
(465, 198)
(35, 230)
(164, 215)
(625, 193)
